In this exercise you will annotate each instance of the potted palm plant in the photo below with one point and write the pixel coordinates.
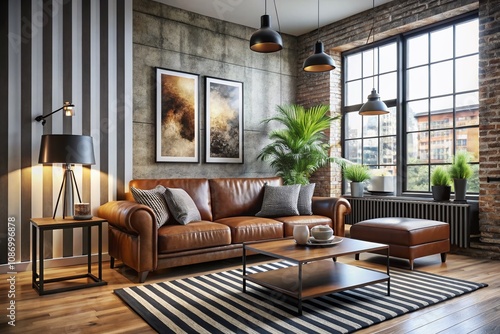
(357, 174)
(300, 146)
(440, 184)
(460, 170)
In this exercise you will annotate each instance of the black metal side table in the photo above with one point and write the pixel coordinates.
(38, 226)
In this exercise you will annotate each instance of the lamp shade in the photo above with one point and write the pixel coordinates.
(319, 61)
(265, 39)
(374, 106)
(66, 149)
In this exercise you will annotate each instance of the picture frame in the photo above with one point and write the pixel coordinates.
(177, 116)
(224, 121)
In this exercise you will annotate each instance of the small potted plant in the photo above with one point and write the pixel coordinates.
(357, 174)
(440, 181)
(460, 170)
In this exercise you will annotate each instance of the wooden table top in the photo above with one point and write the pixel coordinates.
(288, 249)
(59, 222)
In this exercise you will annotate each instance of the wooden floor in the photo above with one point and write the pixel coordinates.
(98, 310)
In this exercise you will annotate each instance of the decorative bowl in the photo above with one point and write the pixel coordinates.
(322, 232)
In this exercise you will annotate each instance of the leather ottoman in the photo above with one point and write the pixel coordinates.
(408, 238)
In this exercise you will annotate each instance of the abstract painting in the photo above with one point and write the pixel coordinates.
(224, 121)
(177, 138)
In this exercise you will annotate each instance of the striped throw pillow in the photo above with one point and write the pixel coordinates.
(155, 199)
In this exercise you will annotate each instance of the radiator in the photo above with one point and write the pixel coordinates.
(457, 215)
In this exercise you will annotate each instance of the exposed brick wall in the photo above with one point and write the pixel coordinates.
(489, 121)
(397, 17)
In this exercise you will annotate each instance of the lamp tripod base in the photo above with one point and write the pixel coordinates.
(69, 184)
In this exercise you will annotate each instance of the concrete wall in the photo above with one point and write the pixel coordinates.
(175, 39)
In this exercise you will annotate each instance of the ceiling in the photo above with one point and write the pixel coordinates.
(296, 17)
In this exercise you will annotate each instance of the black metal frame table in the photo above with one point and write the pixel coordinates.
(317, 272)
(38, 226)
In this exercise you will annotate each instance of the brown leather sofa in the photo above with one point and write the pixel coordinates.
(227, 207)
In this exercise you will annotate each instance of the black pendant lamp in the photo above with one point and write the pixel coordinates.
(265, 39)
(374, 105)
(319, 61)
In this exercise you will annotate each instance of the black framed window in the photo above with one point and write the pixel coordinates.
(429, 81)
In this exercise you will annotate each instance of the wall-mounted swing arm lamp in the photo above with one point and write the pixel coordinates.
(69, 110)
(374, 105)
(319, 61)
(266, 40)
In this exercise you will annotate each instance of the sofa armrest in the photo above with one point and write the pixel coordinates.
(335, 208)
(138, 221)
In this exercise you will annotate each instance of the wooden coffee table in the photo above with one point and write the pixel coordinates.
(317, 272)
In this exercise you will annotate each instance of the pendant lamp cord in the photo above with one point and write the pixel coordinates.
(318, 20)
(277, 17)
(373, 41)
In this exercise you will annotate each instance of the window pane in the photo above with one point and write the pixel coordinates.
(353, 125)
(388, 123)
(442, 44)
(468, 140)
(467, 115)
(418, 79)
(417, 115)
(441, 105)
(370, 151)
(353, 150)
(417, 148)
(467, 101)
(418, 50)
(467, 73)
(388, 86)
(466, 38)
(441, 146)
(388, 58)
(418, 178)
(353, 67)
(370, 126)
(442, 78)
(368, 63)
(388, 152)
(353, 93)
(473, 182)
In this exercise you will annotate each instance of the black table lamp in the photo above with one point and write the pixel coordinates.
(68, 150)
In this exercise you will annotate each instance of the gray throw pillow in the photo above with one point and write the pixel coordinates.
(280, 201)
(155, 199)
(304, 204)
(181, 206)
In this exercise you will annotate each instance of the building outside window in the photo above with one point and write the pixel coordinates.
(429, 81)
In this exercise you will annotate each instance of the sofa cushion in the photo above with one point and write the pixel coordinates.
(304, 203)
(280, 201)
(195, 235)
(181, 206)
(250, 228)
(197, 188)
(155, 199)
(232, 197)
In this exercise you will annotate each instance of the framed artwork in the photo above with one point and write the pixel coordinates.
(224, 121)
(177, 113)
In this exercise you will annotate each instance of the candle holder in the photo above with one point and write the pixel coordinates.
(82, 211)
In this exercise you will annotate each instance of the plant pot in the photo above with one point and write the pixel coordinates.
(460, 190)
(441, 193)
(357, 189)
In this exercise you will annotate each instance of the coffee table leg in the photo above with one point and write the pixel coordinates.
(388, 274)
(244, 269)
(299, 306)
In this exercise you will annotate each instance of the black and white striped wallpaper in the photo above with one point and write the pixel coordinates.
(53, 51)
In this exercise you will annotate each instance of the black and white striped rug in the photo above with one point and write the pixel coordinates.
(215, 303)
